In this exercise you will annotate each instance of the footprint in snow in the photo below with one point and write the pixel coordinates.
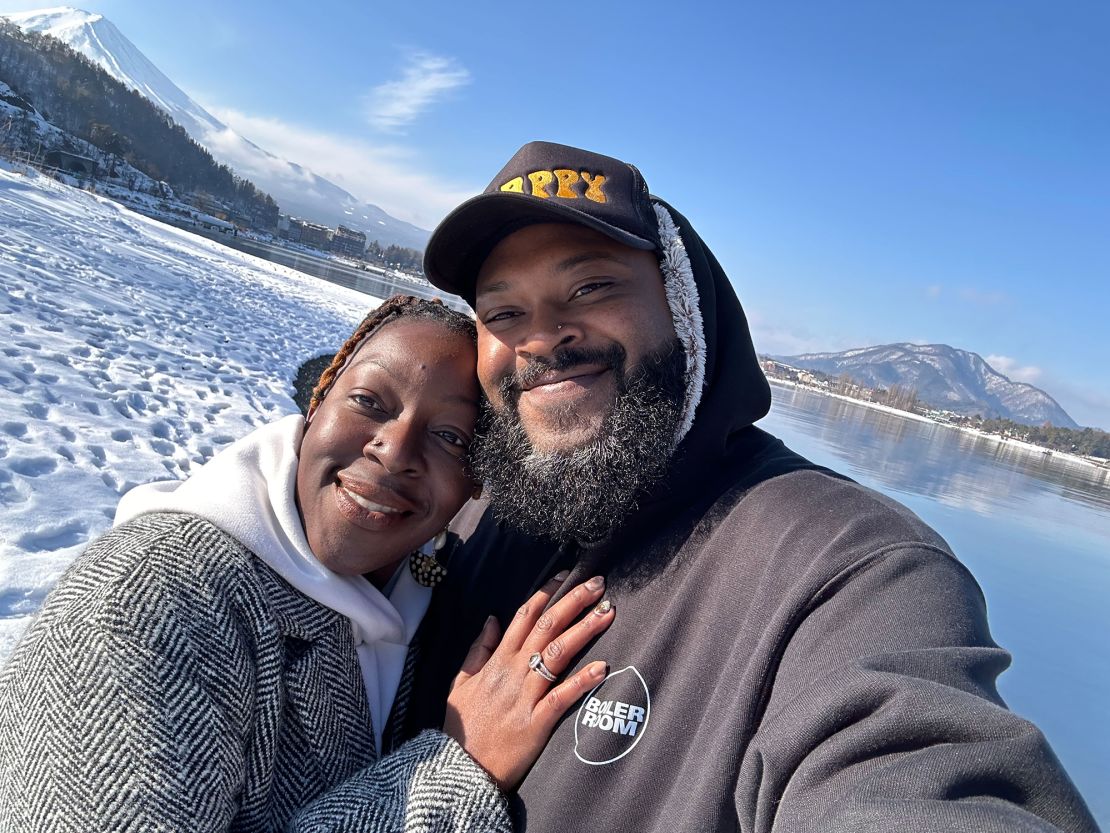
(12, 383)
(163, 447)
(11, 493)
(98, 455)
(14, 429)
(16, 603)
(54, 536)
(33, 466)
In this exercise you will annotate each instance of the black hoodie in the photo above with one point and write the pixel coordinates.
(791, 651)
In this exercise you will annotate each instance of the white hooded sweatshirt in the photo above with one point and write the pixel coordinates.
(248, 491)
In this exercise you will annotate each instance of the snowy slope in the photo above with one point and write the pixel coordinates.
(130, 351)
(943, 376)
(297, 190)
(116, 177)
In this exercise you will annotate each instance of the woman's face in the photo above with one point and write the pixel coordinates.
(381, 467)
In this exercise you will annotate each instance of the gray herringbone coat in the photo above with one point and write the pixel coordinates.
(172, 681)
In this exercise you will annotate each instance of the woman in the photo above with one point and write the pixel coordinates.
(227, 657)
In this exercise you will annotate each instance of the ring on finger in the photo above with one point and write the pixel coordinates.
(535, 662)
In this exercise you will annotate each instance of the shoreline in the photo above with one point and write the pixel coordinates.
(1028, 447)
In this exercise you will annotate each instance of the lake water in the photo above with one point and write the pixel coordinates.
(377, 282)
(1033, 528)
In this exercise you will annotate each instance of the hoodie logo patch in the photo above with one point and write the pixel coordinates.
(612, 718)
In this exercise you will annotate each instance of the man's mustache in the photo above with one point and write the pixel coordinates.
(565, 358)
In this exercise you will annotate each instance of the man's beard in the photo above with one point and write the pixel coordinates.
(583, 493)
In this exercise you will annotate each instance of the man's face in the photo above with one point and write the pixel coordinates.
(562, 311)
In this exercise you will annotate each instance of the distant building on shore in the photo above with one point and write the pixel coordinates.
(342, 240)
(308, 234)
(348, 242)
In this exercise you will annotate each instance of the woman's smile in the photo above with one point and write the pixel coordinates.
(372, 505)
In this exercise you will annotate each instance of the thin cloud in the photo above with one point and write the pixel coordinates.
(425, 80)
(983, 298)
(777, 340)
(1013, 369)
(386, 175)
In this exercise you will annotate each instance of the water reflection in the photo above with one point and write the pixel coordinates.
(938, 461)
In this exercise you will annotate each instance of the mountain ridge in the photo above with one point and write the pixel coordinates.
(297, 189)
(944, 377)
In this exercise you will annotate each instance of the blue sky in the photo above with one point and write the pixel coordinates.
(867, 172)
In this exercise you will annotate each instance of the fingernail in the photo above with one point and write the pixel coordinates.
(561, 575)
(599, 670)
(603, 607)
(595, 584)
(489, 621)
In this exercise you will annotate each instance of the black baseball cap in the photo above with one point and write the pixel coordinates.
(542, 183)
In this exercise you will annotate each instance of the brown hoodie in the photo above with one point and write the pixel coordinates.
(791, 651)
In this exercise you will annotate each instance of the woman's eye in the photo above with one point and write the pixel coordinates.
(367, 402)
(453, 439)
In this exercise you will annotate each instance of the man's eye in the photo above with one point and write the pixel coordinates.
(503, 315)
(587, 288)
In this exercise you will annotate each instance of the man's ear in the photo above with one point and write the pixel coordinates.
(477, 493)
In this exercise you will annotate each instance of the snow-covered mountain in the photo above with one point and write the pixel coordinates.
(297, 190)
(944, 377)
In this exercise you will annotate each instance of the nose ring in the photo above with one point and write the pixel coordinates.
(558, 326)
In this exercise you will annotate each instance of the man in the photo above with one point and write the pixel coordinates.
(791, 651)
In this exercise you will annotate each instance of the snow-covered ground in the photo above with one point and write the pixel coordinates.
(130, 351)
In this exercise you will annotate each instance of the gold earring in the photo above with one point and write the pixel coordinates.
(426, 567)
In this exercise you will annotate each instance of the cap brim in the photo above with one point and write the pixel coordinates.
(467, 235)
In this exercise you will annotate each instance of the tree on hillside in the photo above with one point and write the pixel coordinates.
(88, 103)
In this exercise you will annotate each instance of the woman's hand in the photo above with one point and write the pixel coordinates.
(500, 710)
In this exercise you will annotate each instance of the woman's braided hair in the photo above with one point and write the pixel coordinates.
(398, 306)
